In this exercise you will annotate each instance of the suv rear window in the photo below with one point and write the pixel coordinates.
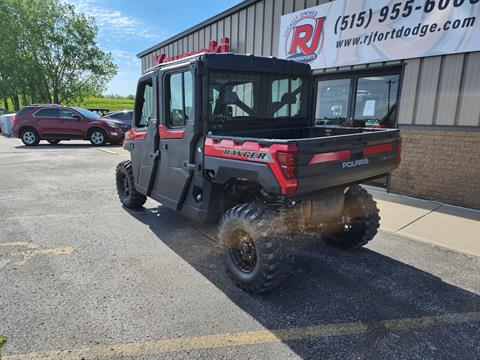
(47, 113)
(24, 110)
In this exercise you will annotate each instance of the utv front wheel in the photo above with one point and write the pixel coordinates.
(127, 193)
(258, 254)
(358, 223)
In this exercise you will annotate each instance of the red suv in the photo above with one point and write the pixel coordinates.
(55, 123)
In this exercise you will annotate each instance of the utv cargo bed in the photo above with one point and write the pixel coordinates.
(325, 156)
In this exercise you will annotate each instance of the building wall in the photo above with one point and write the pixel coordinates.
(439, 90)
(440, 94)
(440, 165)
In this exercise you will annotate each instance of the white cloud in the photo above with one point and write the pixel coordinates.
(112, 22)
(125, 57)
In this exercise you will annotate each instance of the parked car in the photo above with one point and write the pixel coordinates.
(55, 123)
(125, 116)
(99, 111)
(6, 124)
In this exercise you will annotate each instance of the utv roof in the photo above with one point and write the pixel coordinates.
(250, 63)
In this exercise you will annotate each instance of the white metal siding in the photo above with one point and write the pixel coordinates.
(441, 90)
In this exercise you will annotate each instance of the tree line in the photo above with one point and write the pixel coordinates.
(48, 54)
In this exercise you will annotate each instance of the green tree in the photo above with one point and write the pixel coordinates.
(50, 52)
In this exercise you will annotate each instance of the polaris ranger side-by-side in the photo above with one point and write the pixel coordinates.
(232, 138)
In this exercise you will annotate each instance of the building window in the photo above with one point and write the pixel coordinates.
(333, 98)
(179, 99)
(376, 100)
(358, 99)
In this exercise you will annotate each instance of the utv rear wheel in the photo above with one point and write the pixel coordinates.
(258, 254)
(30, 137)
(359, 221)
(54, 142)
(127, 193)
(97, 137)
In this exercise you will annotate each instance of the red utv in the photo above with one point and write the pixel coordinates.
(231, 139)
(55, 123)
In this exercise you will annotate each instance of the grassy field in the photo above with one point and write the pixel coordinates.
(112, 104)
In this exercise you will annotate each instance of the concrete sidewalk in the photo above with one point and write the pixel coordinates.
(448, 226)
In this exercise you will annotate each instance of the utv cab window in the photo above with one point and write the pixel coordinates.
(286, 97)
(239, 100)
(179, 99)
(144, 104)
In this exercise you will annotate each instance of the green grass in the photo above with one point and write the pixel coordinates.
(112, 104)
(3, 340)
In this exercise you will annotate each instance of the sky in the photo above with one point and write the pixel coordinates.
(127, 27)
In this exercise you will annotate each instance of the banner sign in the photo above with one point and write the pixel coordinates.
(350, 32)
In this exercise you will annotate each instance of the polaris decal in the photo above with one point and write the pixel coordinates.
(249, 155)
(354, 163)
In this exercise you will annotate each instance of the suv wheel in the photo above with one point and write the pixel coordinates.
(30, 137)
(127, 193)
(359, 221)
(97, 137)
(258, 254)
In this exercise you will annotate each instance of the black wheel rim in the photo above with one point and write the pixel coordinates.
(242, 250)
(350, 224)
(124, 185)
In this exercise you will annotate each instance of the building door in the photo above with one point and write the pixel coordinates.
(359, 99)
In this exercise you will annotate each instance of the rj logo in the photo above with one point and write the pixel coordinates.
(306, 37)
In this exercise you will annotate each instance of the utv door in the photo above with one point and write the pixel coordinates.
(177, 134)
(142, 145)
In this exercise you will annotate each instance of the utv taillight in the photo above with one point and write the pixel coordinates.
(288, 163)
(399, 153)
(129, 135)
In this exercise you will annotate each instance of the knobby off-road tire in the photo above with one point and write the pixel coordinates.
(129, 196)
(268, 253)
(362, 211)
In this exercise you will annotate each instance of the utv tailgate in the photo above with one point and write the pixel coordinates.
(343, 159)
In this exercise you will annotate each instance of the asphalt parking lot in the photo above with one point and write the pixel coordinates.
(83, 278)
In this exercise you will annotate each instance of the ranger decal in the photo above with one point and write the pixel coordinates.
(249, 155)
